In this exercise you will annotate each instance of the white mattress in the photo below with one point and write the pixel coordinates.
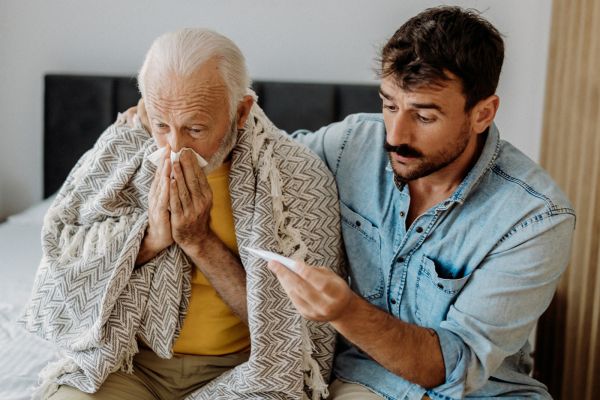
(22, 355)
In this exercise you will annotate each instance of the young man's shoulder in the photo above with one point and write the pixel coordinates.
(361, 118)
(361, 123)
(519, 177)
(365, 131)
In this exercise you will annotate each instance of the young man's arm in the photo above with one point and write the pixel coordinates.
(490, 320)
(407, 350)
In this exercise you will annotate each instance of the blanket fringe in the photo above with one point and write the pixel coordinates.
(312, 373)
(132, 350)
(48, 377)
(290, 242)
(288, 238)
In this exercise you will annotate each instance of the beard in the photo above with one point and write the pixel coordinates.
(227, 144)
(423, 164)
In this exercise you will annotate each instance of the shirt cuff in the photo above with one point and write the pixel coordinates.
(415, 392)
(455, 363)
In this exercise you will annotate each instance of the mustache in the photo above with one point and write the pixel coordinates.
(403, 150)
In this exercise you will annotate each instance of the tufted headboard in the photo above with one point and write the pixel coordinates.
(78, 108)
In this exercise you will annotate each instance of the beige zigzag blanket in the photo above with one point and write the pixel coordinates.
(90, 300)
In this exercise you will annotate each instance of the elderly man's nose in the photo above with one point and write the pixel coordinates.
(176, 142)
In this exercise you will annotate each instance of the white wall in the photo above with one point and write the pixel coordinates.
(308, 40)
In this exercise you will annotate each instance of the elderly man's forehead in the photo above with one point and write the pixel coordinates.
(167, 80)
(176, 88)
(172, 84)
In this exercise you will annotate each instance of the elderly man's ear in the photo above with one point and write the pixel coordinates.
(244, 110)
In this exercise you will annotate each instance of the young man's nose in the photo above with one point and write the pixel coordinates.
(399, 131)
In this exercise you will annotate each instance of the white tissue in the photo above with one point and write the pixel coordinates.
(157, 156)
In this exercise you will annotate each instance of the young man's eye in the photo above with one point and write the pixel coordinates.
(390, 107)
(425, 119)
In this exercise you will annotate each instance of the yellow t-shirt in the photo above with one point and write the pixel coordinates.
(210, 327)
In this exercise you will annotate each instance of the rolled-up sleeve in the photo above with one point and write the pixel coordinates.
(497, 309)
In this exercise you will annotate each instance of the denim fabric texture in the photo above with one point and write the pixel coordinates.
(479, 267)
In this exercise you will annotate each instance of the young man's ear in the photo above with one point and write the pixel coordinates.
(244, 110)
(483, 113)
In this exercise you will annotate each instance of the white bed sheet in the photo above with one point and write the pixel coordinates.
(22, 355)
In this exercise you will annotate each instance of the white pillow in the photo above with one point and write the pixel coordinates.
(34, 214)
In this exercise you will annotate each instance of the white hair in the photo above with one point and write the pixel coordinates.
(184, 51)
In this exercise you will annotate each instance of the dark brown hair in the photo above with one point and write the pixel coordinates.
(444, 39)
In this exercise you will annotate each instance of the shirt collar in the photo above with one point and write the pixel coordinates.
(486, 160)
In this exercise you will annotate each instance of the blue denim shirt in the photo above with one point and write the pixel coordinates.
(479, 268)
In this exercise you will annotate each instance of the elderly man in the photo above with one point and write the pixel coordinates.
(146, 282)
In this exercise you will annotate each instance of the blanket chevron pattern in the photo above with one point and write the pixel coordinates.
(90, 299)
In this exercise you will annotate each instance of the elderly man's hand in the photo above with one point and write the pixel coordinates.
(191, 201)
(317, 292)
(159, 224)
(158, 233)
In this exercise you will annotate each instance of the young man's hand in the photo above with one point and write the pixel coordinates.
(317, 292)
(127, 117)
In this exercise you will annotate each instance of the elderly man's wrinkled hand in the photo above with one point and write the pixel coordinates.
(317, 292)
(191, 201)
(158, 233)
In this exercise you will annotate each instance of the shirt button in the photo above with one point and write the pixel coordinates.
(401, 214)
(393, 301)
(419, 229)
(400, 259)
(357, 223)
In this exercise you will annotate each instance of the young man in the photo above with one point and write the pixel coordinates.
(455, 239)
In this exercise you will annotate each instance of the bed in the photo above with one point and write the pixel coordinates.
(77, 108)
(21, 355)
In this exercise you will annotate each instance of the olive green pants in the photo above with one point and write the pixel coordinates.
(157, 378)
(340, 390)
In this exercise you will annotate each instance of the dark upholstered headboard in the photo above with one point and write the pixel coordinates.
(78, 108)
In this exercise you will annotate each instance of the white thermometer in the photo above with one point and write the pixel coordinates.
(269, 255)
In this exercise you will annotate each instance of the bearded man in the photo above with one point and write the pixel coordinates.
(456, 240)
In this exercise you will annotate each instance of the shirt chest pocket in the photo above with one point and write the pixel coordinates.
(363, 247)
(434, 295)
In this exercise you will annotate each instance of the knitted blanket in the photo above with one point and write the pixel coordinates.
(90, 300)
